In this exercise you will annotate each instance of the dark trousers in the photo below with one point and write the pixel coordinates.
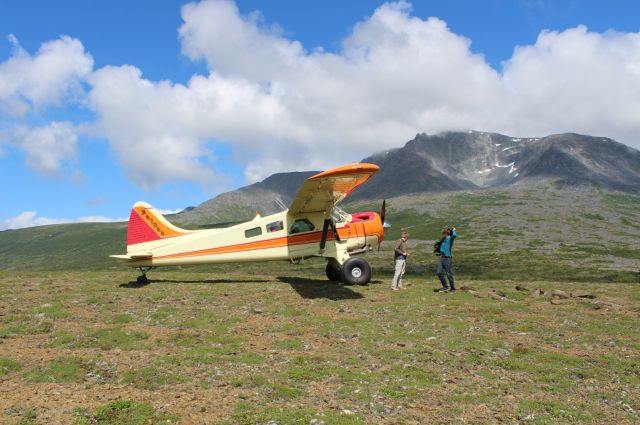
(444, 266)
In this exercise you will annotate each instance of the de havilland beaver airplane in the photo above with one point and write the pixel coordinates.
(313, 226)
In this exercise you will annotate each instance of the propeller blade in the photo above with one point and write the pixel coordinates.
(383, 212)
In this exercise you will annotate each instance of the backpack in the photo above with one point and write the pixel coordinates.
(436, 246)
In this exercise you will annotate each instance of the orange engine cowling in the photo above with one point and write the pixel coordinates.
(371, 224)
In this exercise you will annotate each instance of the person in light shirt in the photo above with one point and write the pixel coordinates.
(400, 255)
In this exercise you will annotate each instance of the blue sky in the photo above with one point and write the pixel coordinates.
(93, 172)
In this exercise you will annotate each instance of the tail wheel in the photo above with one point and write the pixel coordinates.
(356, 271)
(333, 274)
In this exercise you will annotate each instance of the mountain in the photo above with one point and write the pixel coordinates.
(478, 160)
(450, 161)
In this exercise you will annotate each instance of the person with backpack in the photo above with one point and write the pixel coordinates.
(400, 255)
(443, 249)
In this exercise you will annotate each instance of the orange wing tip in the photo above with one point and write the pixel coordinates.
(357, 168)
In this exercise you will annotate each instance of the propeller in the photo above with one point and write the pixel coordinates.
(383, 211)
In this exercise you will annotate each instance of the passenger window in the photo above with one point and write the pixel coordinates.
(301, 225)
(256, 231)
(275, 226)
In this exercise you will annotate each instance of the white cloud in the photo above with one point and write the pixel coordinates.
(281, 107)
(31, 219)
(160, 130)
(46, 78)
(284, 108)
(169, 212)
(245, 47)
(576, 80)
(47, 148)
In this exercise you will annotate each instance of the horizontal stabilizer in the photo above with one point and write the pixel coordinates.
(133, 257)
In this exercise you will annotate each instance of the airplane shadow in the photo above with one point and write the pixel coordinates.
(314, 289)
(135, 284)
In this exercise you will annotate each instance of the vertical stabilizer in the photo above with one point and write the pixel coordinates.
(146, 224)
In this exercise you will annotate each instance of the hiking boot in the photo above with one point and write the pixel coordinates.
(452, 291)
(441, 290)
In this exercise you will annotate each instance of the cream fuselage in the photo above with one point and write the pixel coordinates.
(242, 242)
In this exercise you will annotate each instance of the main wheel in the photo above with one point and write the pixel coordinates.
(333, 274)
(356, 271)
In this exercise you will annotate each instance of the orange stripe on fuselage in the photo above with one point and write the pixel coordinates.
(266, 244)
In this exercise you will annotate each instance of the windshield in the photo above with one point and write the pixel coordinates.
(339, 216)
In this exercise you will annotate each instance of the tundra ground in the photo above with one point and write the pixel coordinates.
(280, 343)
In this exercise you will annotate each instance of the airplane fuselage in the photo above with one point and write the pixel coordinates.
(279, 236)
(312, 226)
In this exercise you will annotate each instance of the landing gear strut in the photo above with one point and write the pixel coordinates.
(142, 279)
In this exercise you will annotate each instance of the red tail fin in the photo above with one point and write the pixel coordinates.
(147, 225)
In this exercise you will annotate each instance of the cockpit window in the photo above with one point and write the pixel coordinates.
(275, 226)
(250, 233)
(301, 225)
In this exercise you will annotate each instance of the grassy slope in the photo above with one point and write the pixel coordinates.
(528, 232)
(536, 232)
(62, 247)
(257, 347)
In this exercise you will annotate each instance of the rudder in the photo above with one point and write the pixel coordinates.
(148, 225)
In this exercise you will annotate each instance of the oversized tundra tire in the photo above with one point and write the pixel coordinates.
(333, 274)
(356, 271)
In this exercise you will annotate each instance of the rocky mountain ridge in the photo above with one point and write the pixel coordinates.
(452, 161)
(478, 160)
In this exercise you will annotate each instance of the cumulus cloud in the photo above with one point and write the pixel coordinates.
(46, 78)
(31, 219)
(47, 148)
(282, 107)
(160, 131)
(576, 80)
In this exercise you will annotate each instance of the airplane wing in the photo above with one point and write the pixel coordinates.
(321, 192)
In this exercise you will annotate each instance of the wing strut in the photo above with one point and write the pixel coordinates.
(328, 222)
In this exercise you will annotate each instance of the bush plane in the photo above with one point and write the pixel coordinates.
(312, 226)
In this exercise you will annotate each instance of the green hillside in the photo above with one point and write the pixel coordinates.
(537, 232)
(83, 246)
